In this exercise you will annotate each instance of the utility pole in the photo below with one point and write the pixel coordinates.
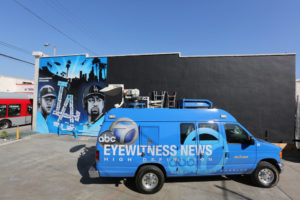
(54, 47)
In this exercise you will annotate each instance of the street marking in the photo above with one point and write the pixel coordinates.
(84, 138)
(10, 142)
(286, 194)
(114, 193)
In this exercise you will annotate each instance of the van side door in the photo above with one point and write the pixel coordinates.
(211, 149)
(186, 162)
(240, 155)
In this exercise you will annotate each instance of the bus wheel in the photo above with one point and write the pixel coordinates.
(149, 179)
(265, 175)
(5, 124)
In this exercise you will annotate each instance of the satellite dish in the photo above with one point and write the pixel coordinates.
(113, 89)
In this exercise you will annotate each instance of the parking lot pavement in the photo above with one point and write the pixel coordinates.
(52, 167)
(14, 129)
(23, 131)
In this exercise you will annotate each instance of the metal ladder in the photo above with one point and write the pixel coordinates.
(171, 100)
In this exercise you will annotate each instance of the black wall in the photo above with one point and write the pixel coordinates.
(258, 90)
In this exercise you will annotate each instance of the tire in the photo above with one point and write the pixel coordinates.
(149, 179)
(4, 124)
(265, 175)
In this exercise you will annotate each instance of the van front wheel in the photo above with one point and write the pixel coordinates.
(265, 175)
(149, 179)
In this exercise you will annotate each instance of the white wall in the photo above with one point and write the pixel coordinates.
(298, 89)
(11, 84)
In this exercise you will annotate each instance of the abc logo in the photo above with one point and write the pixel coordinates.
(125, 131)
(107, 137)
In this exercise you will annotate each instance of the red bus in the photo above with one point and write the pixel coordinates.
(15, 109)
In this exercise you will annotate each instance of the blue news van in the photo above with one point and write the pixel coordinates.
(152, 144)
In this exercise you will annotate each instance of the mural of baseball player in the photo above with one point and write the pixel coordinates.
(69, 94)
(94, 103)
(46, 101)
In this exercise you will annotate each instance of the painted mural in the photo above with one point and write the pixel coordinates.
(69, 97)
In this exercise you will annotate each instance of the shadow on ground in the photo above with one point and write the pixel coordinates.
(87, 158)
(295, 159)
(238, 178)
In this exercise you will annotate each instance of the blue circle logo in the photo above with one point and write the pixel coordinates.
(125, 130)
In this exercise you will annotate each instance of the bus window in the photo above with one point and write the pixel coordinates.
(29, 109)
(14, 110)
(3, 109)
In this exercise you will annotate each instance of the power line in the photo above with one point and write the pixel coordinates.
(24, 61)
(15, 47)
(71, 18)
(55, 28)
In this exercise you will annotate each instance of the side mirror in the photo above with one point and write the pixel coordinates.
(251, 140)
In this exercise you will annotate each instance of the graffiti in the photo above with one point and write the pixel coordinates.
(69, 94)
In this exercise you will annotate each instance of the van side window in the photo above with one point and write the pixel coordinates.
(29, 109)
(14, 110)
(3, 109)
(209, 136)
(213, 126)
(235, 134)
(185, 130)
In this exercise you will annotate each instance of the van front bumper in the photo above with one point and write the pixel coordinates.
(93, 172)
(281, 166)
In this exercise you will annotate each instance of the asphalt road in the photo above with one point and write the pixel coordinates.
(52, 167)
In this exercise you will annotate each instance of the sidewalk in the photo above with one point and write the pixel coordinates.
(12, 133)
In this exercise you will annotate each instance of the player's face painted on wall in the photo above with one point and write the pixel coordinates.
(95, 107)
(47, 104)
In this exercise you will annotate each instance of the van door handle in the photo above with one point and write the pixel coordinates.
(143, 154)
(201, 155)
(226, 154)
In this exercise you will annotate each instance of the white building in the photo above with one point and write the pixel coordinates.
(298, 89)
(16, 85)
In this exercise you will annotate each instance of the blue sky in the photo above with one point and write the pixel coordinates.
(194, 27)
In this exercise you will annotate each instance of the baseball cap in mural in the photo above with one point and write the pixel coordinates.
(47, 91)
(95, 90)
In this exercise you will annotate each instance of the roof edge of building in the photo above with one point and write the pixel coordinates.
(22, 79)
(174, 53)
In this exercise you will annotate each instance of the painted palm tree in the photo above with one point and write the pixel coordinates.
(68, 65)
(103, 71)
(96, 62)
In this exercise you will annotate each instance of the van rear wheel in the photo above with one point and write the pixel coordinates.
(265, 175)
(149, 179)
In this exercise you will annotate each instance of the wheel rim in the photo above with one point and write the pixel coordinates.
(266, 176)
(150, 180)
(4, 125)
